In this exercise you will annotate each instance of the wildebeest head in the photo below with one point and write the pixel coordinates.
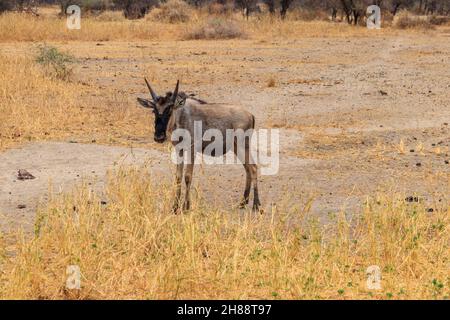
(162, 107)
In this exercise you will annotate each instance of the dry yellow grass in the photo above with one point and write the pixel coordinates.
(37, 107)
(133, 247)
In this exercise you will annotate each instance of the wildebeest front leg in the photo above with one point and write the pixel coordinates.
(178, 177)
(248, 184)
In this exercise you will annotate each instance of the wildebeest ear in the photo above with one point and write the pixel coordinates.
(179, 102)
(146, 103)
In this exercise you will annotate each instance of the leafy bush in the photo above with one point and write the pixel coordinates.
(56, 64)
(216, 29)
(173, 11)
(135, 9)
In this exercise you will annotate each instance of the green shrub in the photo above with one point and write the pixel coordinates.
(55, 63)
(217, 28)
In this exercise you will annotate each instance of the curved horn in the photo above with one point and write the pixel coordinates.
(175, 93)
(154, 95)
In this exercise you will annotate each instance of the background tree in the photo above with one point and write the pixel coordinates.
(285, 4)
(135, 9)
(270, 5)
(29, 6)
(6, 5)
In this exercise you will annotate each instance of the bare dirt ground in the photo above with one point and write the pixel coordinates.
(355, 115)
(57, 167)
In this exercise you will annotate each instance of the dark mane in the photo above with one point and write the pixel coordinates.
(183, 95)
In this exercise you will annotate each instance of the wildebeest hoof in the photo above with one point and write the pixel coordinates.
(258, 209)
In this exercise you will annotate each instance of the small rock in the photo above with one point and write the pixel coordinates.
(412, 199)
(418, 164)
(24, 175)
(21, 206)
